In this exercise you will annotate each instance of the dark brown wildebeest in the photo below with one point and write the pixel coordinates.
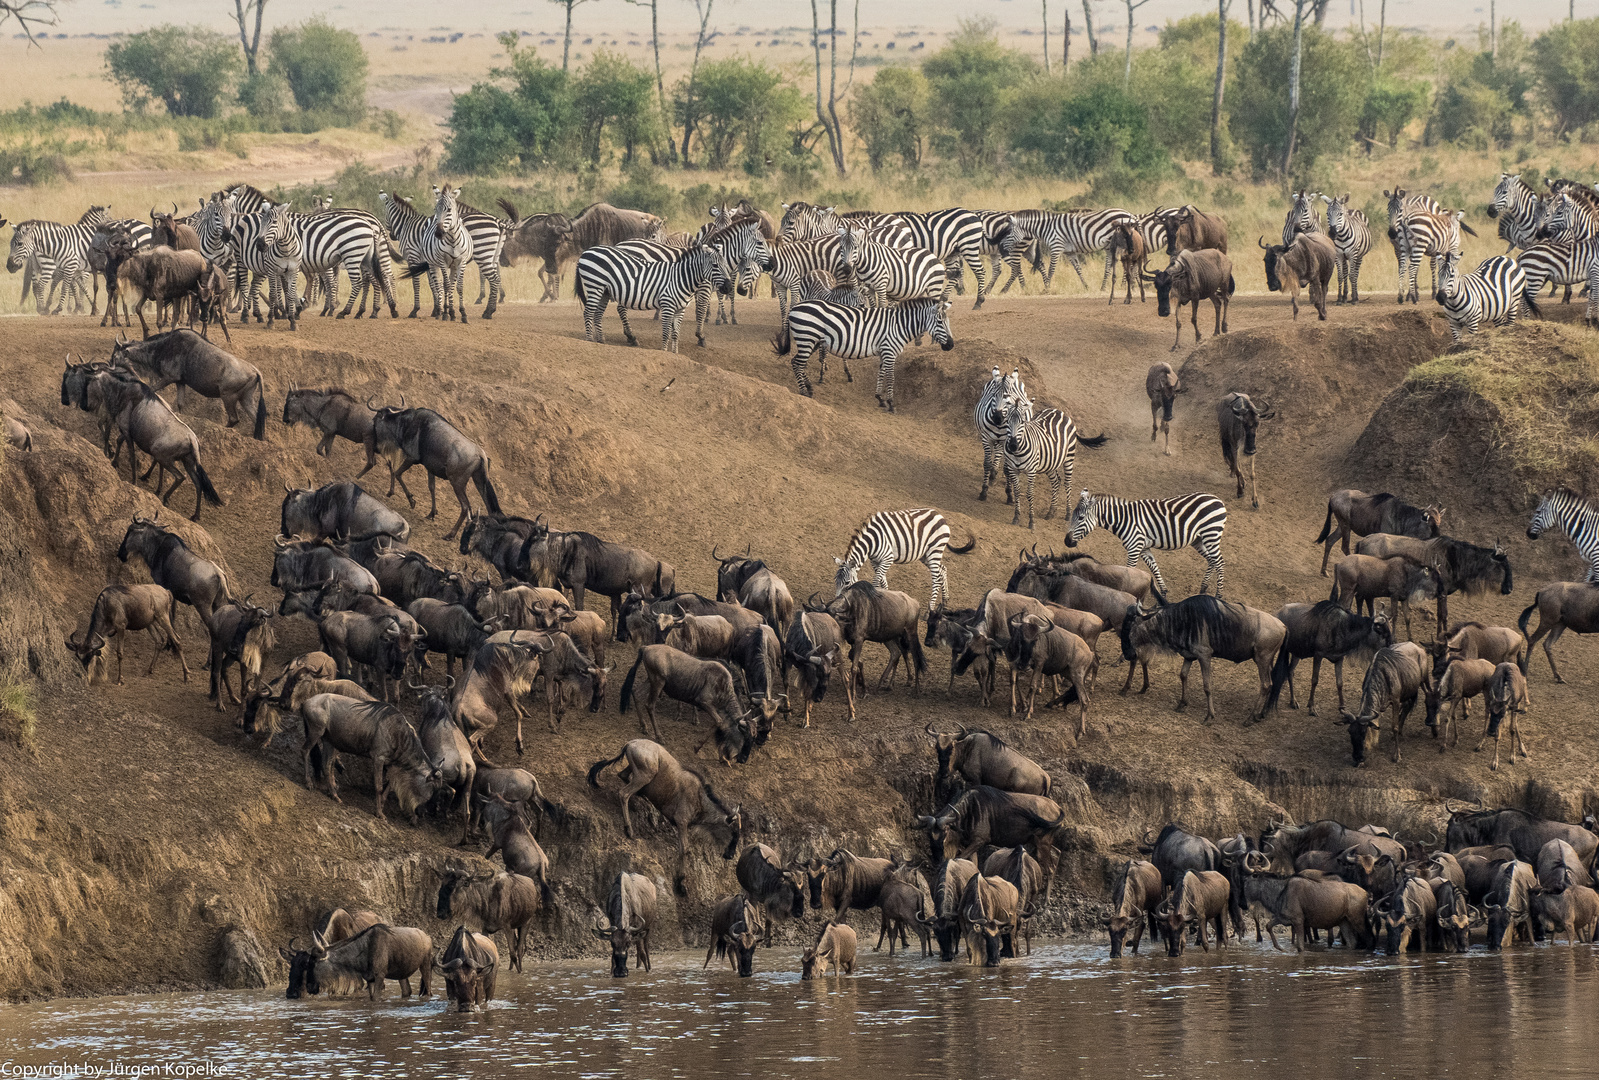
(1356, 513)
(1518, 830)
(986, 815)
(975, 758)
(1238, 418)
(377, 642)
(1409, 914)
(1194, 276)
(1162, 385)
(1306, 263)
(903, 907)
(377, 953)
(407, 437)
(213, 294)
(778, 888)
(1464, 568)
(447, 747)
(497, 902)
(1562, 606)
(947, 885)
(241, 634)
(498, 539)
(1324, 631)
(501, 673)
(1039, 646)
(990, 910)
(1398, 676)
(169, 230)
(1176, 851)
(954, 627)
(146, 422)
(866, 613)
(1129, 579)
(340, 509)
(469, 966)
(1474, 641)
(509, 835)
(193, 363)
(1359, 581)
(705, 684)
(451, 630)
(305, 564)
(120, 610)
(1022, 871)
(596, 225)
(845, 881)
(1572, 910)
(1189, 228)
(814, 653)
(628, 918)
(1198, 899)
(1134, 896)
(1507, 696)
(749, 582)
(1313, 902)
(1559, 865)
(736, 929)
(835, 948)
(1461, 681)
(682, 796)
(567, 666)
(582, 562)
(162, 274)
(372, 729)
(1203, 628)
(1508, 904)
(335, 413)
(1455, 915)
(1064, 584)
(536, 236)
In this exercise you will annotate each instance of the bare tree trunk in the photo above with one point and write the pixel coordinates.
(1293, 89)
(837, 142)
(250, 44)
(854, 47)
(1088, 21)
(1046, 36)
(1066, 40)
(1132, 6)
(827, 114)
(566, 44)
(1221, 76)
(655, 43)
(1382, 27)
(699, 44)
(1321, 10)
(1493, 32)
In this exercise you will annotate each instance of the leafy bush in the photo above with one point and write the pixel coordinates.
(323, 65)
(266, 94)
(972, 78)
(1331, 93)
(642, 190)
(613, 90)
(892, 116)
(1568, 72)
(739, 109)
(32, 165)
(1102, 129)
(531, 124)
(188, 69)
(1391, 104)
(1472, 115)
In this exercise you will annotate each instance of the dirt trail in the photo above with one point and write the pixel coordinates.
(145, 828)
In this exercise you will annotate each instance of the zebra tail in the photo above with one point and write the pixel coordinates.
(414, 270)
(782, 342)
(1530, 299)
(577, 289)
(1467, 229)
(971, 542)
(260, 408)
(1096, 442)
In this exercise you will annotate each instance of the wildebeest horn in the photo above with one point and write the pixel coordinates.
(1262, 243)
(929, 729)
(369, 398)
(287, 488)
(714, 555)
(174, 209)
(153, 213)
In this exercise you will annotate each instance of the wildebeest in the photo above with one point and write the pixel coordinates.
(193, 363)
(1359, 581)
(241, 634)
(845, 881)
(1572, 910)
(446, 746)
(405, 437)
(264, 709)
(469, 966)
(1128, 241)
(814, 652)
(1285, 842)
(15, 434)
(450, 629)
(1134, 896)
(866, 613)
(736, 929)
(990, 910)
(1398, 676)
(189, 578)
(1197, 900)
(682, 796)
(502, 671)
(1506, 697)
(986, 815)
(341, 509)
(1558, 865)
(751, 583)
(510, 836)
(1359, 514)
(377, 953)
(1309, 903)
(507, 902)
(1474, 641)
(835, 948)
(1176, 851)
(374, 730)
(598, 224)
(1518, 830)
(162, 274)
(1038, 646)
(582, 562)
(334, 413)
(120, 610)
(1239, 418)
(778, 888)
(976, 758)
(1308, 262)
(1019, 868)
(1461, 681)
(1189, 228)
(1464, 567)
(628, 918)
(1561, 606)
(171, 231)
(498, 539)
(705, 684)
(1194, 276)
(1205, 628)
(1324, 631)
(904, 906)
(1455, 915)
(947, 885)
(1508, 903)
(1064, 583)
(378, 642)
(302, 564)
(1162, 385)
(1408, 914)
(1128, 579)
(341, 925)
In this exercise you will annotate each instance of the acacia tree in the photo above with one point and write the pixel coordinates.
(1217, 165)
(566, 46)
(251, 43)
(655, 43)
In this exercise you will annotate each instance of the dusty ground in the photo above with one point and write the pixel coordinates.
(144, 826)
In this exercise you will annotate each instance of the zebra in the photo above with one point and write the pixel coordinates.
(900, 536)
(1350, 233)
(821, 285)
(1042, 443)
(1432, 236)
(1518, 209)
(406, 225)
(59, 253)
(443, 245)
(992, 429)
(1568, 219)
(1303, 216)
(270, 246)
(1196, 520)
(488, 234)
(1496, 291)
(883, 273)
(861, 333)
(1569, 512)
(955, 236)
(1072, 232)
(1401, 203)
(1558, 262)
(1007, 245)
(634, 281)
(743, 247)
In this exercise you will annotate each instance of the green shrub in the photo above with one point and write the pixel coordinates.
(642, 190)
(1332, 88)
(33, 165)
(1568, 72)
(614, 91)
(1391, 104)
(1472, 115)
(531, 124)
(1102, 129)
(739, 110)
(323, 65)
(266, 94)
(188, 69)
(972, 79)
(892, 116)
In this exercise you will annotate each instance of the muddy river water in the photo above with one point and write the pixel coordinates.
(1247, 1012)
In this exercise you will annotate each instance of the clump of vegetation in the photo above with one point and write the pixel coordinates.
(324, 68)
(189, 70)
(18, 720)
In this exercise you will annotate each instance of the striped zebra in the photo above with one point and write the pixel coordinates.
(1196, 520)
(955, 236)
(992, 428)
(1495, 291)
(743, 248)
(488, 234)
(859, 334)
(268, 245)
(1568, 219)
(604, 273)
(355, 241)
(1072, 232)
(406, 225)
(1400, 203)
(1427, 236)
(882, 273)
(1518, 209)
(900, 536)
(58, 254)
(1350, 233)
(1008, 245)
(1042, 443)
(443, 245)
(1558, 262)
(1304, 216)
(821, 285)
(1565, 510)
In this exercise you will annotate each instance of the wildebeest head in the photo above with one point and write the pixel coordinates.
(1363, 734)
(452, 881)
(1163, 281)
(302, 975)
(91, 653)
(944, 743)
(1274, 252)
(940, 830)
(741, 939)
(1248, 416)
(991, 931)
(466, 979)
(620, 938)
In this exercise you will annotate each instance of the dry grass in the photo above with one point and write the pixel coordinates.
(18, 721)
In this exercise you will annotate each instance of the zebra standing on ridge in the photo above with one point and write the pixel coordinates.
(268, 245)
(989, 416)
(604, 273)
(1518, 209)
(1303, 217)
(1350, 233)
(955, 236)
(1558, 262)
(882, 273)
(1568, 219)
(406, 225)
(900, 536)
(1074, 232)
(444, 246)
(59, 253)
(1564, 509)
(1495, 291)
(860, 333)
(488, 234)
(1401, 203)
(1196, 520)
(743, 249)
(1430, 236)
(1045, 443)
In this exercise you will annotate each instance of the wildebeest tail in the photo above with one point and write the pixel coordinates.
(627, 683)
(260, 408)
(203, 482)
(782, 342)
(917, 655)
(1522, 622)
(971, 542)
(600, 766)
(1096, 442)
(546, 894)
(1279, 675)
(485, 487)
(1326, 526)
(1232, 285)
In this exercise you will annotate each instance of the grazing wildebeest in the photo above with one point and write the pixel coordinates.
(1461, 681)
(736, 929)
(120, 610)
(866, 613)
(469, 968)
(1507, 696)
(186, 358)
(372, 729)
(496, 902)
(1518, 830)
(1194, 276)
(1038, 646)
(342, 509)
(1134, 896)
(1324, 631)
(1409, 914)
(146, 422)
(377, 953)
(1204, 628)
(1239, 418)
(778, 888)
(1308, 262)
(335, 413)
(1176, 851)
(581, 562)
(1359, 514)
(1562, 606)
(1398, 676)
(814, 652)
(1196, 900)
(682, 796)
(405, 437)
(628, 918)
(835, 948)
(986, 815)
(1162, 385)
(990, 911)
(705, 684)
(975, 758)
(241, 634)
(189, 578)
(1359, 581)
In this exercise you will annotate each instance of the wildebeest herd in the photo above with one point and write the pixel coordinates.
(741, 654)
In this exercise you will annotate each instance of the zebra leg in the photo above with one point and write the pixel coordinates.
(974, 259)
(627, 329)
(802, 355)
(482, 286)
(460, 288)
(1354, 279)
(702, 313)
(1012, 488)
(353, 271)
(885, 378)
(593, 310)
(1148, 558)
(416, 295)
(496, 290)
(880, 574)
(1049, 275)
(671, 317)
(436, 287)
(1054, 494)
(935, 566)
(990, 453)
